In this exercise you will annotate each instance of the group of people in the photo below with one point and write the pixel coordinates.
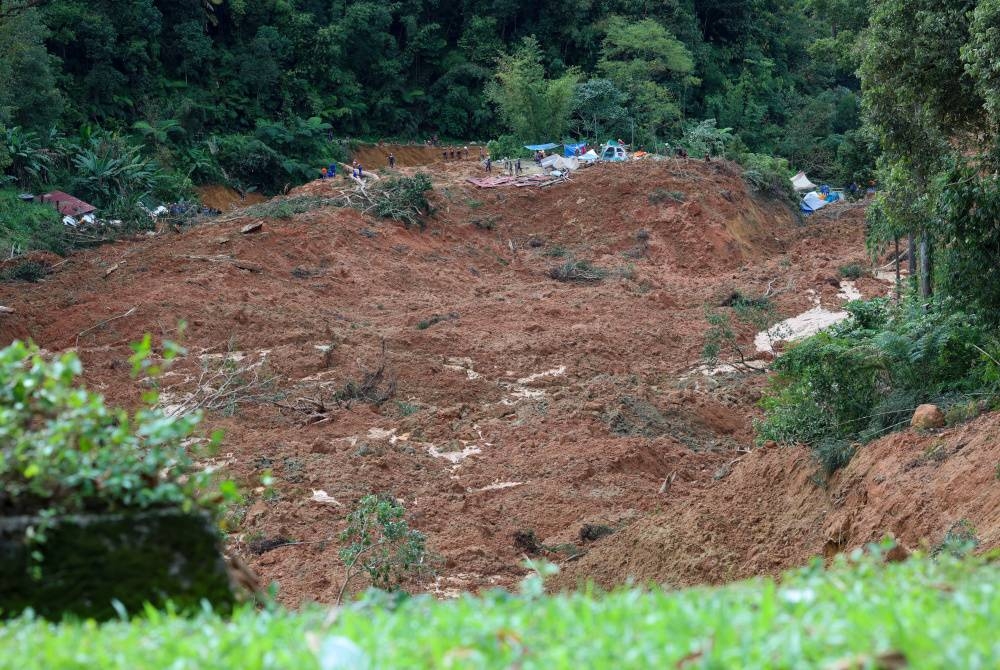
(329, 173)
(455, 152)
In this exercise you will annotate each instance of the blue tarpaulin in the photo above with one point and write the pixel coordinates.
(540, 147)
(570, 149)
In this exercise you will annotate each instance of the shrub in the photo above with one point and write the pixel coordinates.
(768, 175)
(852, 271)
(65, 451)
(863, 378)
(661, 195)
(404, 199)
(381, 544)
(578, 271)
(30, 271)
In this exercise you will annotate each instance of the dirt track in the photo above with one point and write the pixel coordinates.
(522, 403)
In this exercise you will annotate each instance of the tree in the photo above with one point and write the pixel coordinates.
(599, 106)
(28, 93)
(645, 61)
(918, 96)
(534, 107)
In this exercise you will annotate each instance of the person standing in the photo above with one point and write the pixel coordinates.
(392, 160)
(517, 166)
(489, 165)
(332, 172)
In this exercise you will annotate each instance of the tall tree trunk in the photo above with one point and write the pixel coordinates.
(899, 288)
(911, 259)
(925, 265)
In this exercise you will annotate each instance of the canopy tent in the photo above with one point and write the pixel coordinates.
(569, 150)
(801, 182)
(540, 147)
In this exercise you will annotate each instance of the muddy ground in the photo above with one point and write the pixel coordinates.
(522, 408)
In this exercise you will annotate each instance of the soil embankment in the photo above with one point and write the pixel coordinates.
(525, 408)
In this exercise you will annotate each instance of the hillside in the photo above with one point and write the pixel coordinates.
(524, 408)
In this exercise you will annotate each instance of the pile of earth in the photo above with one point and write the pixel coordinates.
(520, 412)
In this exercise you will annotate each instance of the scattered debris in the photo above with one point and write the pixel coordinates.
(667, 482)
(591, 532)
(112, 269)
(6, 310)
(321, 496)
(252, 227)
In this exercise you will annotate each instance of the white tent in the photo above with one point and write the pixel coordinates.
(561, 163)
(801, 182)
(589, 157)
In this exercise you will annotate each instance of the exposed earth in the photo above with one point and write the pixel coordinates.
(525, 408)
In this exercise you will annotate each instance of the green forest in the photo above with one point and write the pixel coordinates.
(170, 93)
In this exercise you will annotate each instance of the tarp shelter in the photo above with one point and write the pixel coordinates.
(812, 202)
(801, 182)
(540, 147)
(569, 150)
(589, 157)
(67, 205)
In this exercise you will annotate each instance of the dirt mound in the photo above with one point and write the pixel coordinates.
(226, 199)
(376, 156)
(524, 406)
(773, 510)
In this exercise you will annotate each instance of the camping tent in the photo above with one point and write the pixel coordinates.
(801, 182)
(613, 152)
(812, 202)
(589, 157)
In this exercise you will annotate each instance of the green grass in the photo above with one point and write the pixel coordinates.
(937, 614)
(29, 226)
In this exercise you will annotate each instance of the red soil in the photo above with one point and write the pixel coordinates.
(595, 363)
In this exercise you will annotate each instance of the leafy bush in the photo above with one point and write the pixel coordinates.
(404, 199)
(507, 146)
(65, 451)
(863, 378)
(852, 271)
(768, 175)
(706, 138)
(30, 271)
(922, 613)
(381, 544)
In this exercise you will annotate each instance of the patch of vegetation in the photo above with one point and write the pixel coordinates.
(29, 271)
(404, 199)
(660, 195)
(863, 378)
(435, 319)
(556, 251)
(407, 408)
(768, 175)
(960, 540)
(381, 544)
(64, 451)
(286, 208)
(723, 337)
(591, 532)
(635, 416)
(30, 226)
(578, 271)
(922, 613)
(375, 386)
(486, 222)
(852, 271)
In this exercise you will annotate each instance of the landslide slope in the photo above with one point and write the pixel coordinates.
(524, 407)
